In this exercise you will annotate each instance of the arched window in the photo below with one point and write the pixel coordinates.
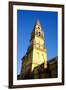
(39, 33)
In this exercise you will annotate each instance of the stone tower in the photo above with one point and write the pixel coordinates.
(36, 53)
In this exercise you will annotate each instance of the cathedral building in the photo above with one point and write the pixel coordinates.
(36, 55)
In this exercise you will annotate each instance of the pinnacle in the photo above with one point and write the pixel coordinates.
(37, 22)
(37, 25)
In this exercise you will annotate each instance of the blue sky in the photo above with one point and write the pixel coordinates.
(25, 24)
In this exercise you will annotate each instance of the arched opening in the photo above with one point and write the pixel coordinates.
(39, 33)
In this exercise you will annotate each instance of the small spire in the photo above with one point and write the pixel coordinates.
(37, 25)
(37, 22)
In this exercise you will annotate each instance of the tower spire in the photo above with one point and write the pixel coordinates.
(37, 25)
(37, 30)
(37, 22)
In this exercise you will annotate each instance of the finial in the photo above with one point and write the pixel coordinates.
(38, 22)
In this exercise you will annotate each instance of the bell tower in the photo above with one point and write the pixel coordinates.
(36, 53)
(39, 51)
